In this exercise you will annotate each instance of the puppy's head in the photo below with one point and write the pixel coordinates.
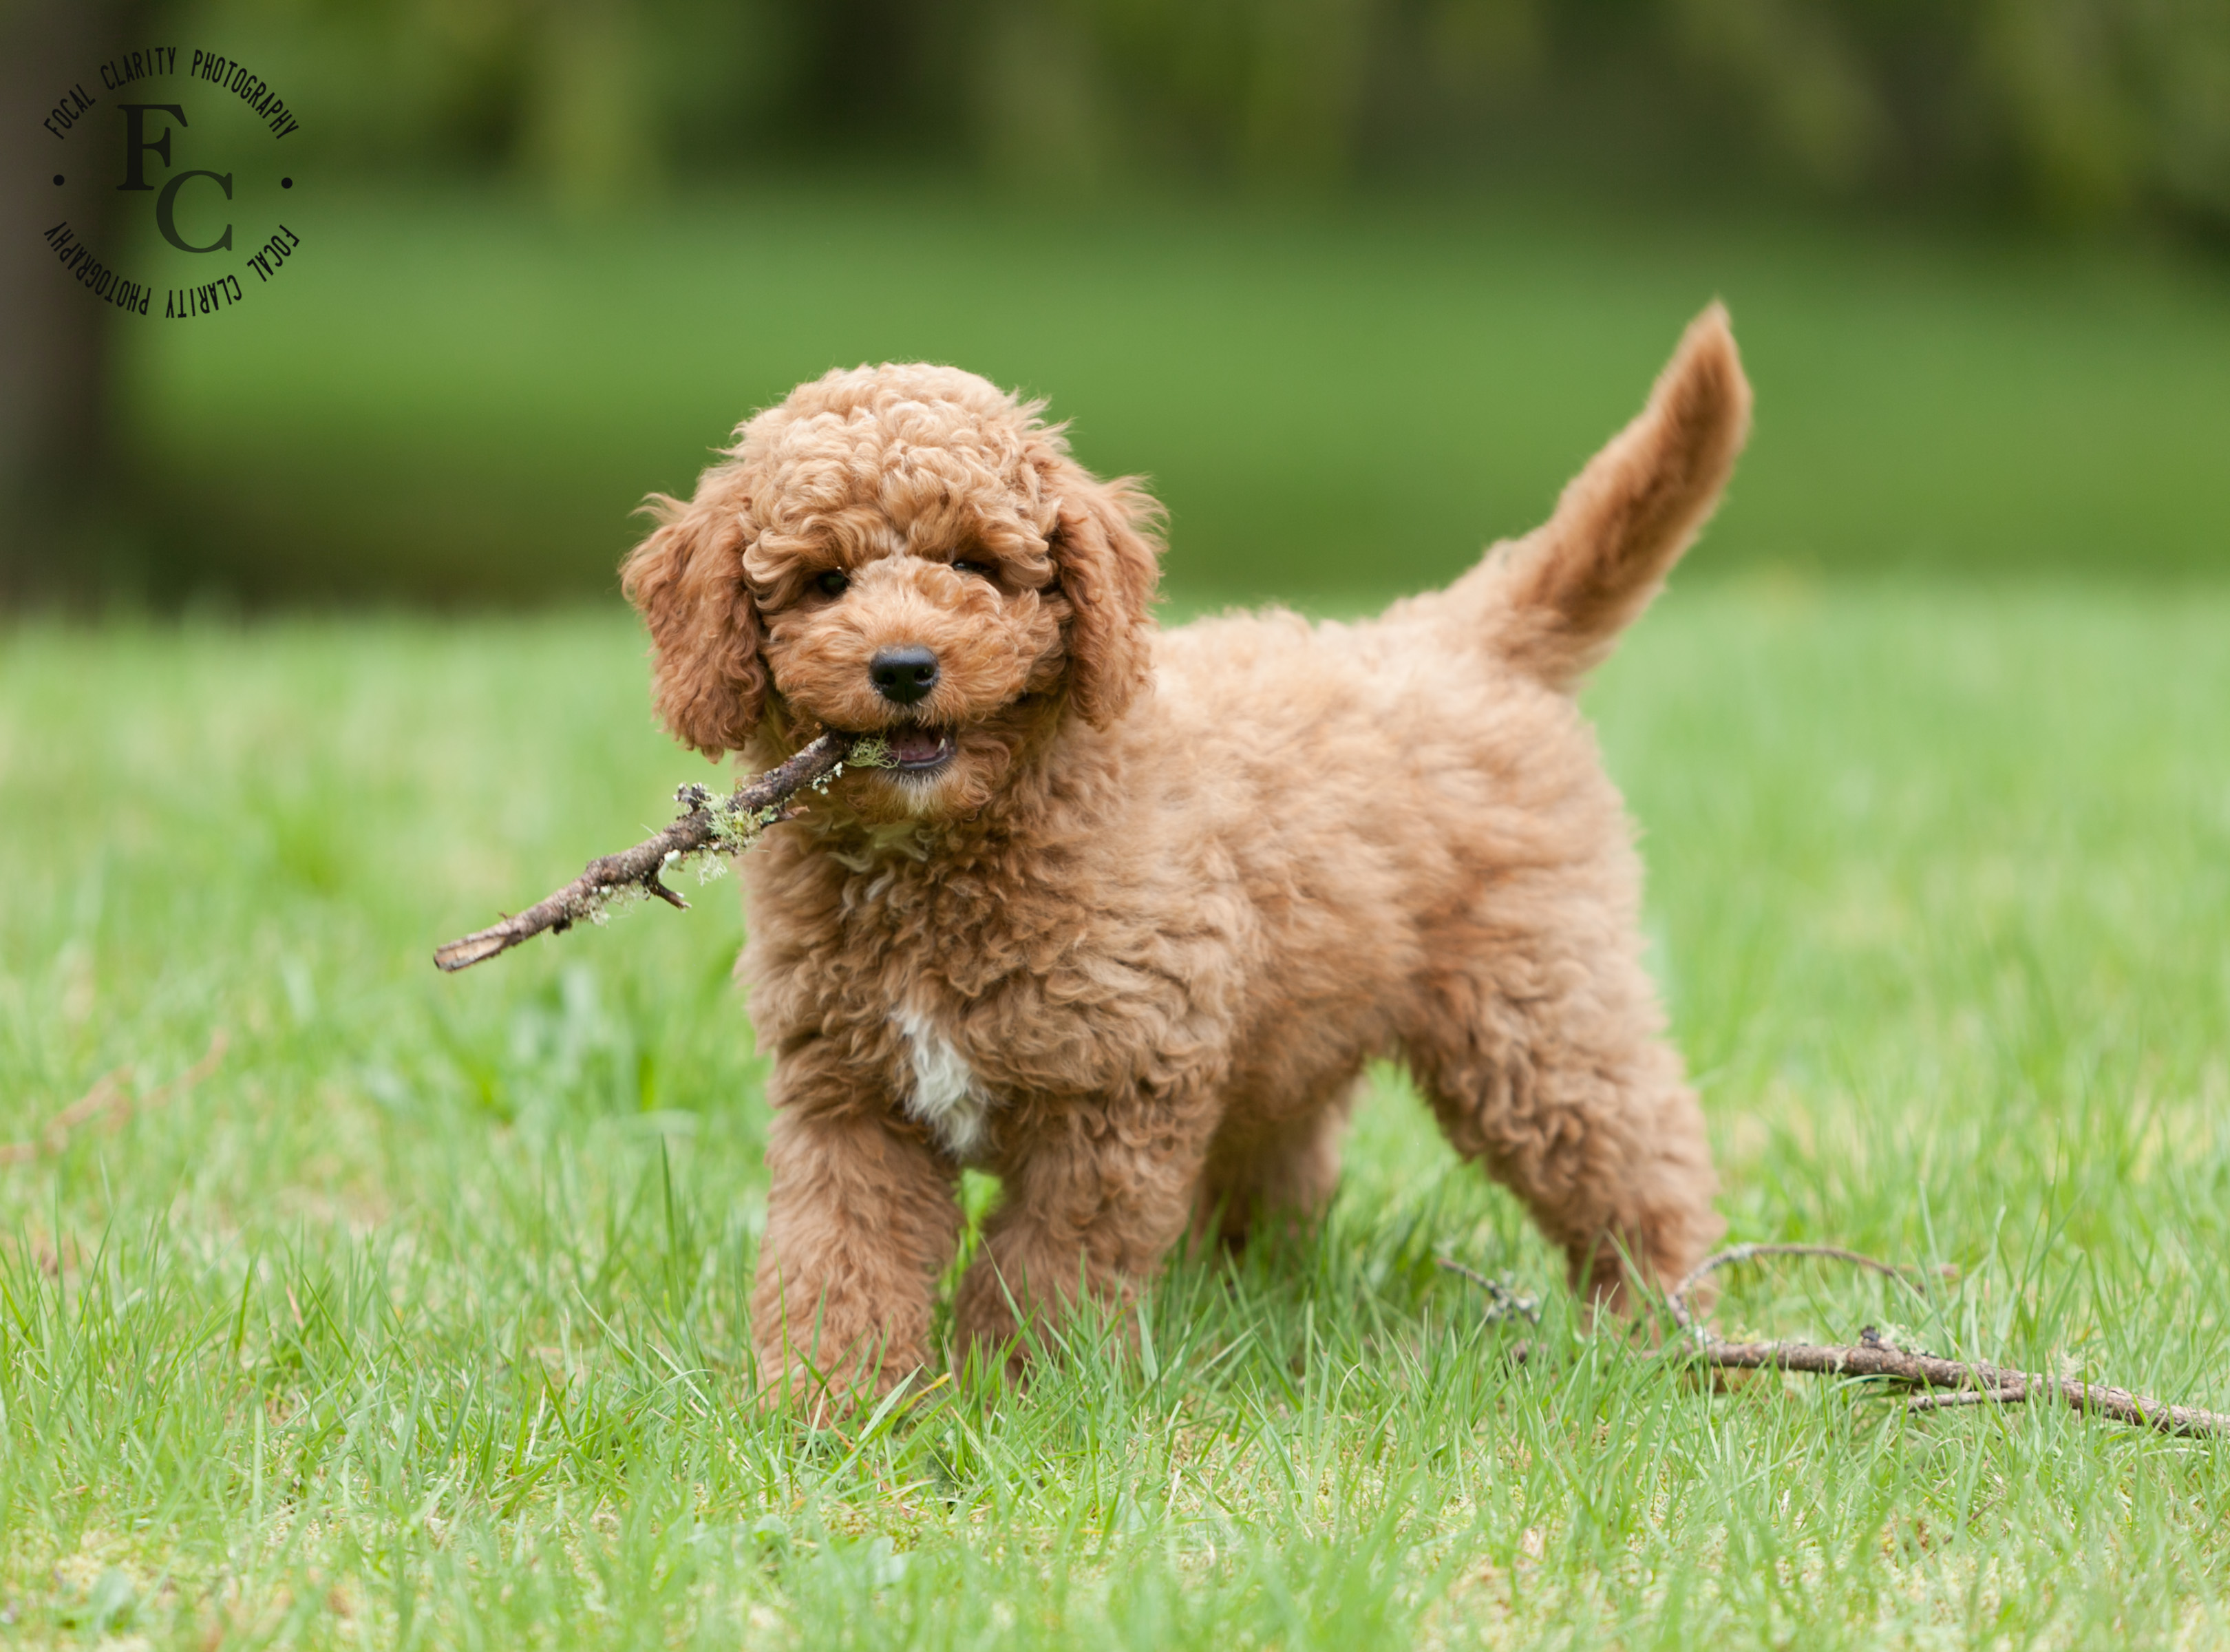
(902, 550)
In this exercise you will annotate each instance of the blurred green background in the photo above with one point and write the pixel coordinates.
(1356, 283)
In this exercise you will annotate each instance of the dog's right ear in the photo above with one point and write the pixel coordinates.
(687, 580)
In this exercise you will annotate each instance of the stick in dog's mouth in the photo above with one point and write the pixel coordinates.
(724, 825)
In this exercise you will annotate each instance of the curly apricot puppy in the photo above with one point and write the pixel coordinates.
(1134, 907)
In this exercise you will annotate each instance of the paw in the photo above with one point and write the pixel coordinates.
(823, 1394)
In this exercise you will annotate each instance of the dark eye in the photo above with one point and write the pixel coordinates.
(981, 570)
(833, 583)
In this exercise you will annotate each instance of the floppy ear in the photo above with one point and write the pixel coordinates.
(687, 579)
(1108, 552)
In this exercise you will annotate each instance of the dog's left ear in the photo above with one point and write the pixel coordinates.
(1107, 548)
(688, 581)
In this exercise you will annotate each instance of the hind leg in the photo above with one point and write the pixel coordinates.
(1283, 1175)
(1569, 1098)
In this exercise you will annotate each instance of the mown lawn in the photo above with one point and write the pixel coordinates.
(419, 1320)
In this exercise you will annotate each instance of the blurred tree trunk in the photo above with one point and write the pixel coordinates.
(58, 489)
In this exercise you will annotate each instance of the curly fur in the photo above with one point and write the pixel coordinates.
(1132, 945)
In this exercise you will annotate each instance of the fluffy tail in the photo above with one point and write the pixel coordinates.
(1553, 603)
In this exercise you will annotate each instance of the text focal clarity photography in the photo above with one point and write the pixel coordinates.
(216, 205)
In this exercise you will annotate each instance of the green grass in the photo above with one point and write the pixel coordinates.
(421, 1321)
(448, 394)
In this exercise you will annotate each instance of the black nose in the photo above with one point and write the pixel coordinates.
(903, 675)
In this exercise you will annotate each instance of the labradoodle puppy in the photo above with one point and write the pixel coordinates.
(1133, 908)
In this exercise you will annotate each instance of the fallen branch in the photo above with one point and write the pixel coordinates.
(1965, 1383)
(1942, 1383)
(726, 825)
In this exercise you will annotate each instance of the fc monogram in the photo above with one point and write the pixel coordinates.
(207, 165)
(138, 146)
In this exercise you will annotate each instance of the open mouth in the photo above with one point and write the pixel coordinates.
(916, 751)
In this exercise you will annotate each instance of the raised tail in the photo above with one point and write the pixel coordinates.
(1553, 603)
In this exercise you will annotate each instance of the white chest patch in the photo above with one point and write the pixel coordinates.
(946, 1096)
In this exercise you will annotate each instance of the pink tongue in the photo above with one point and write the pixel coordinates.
(917, 746)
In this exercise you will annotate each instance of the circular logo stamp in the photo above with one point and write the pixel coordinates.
(172, 177)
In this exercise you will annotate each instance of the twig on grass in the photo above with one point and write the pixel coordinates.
(1504, 1302)
(108, 1099)
(1944, 1383)
(1678, 1299)
(1963, 1382)
(724, 825)
(1944, 1402)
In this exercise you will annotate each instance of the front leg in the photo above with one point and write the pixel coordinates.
(1094, 1200)
(861, 1218)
